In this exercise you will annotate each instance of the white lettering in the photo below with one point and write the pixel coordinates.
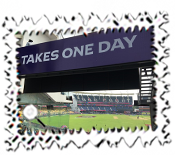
(30, 59)
(38, 57)
(24, 58)
(104, 46)
(54, 55)
(78, 50)
(46, 56)
(118, 46)
(70, 53)
(87, 49)
(130, 41)
(100, 46)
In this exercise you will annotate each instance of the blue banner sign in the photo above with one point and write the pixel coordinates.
(94, 50)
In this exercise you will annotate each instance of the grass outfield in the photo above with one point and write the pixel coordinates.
(100, 121)
(56, 121)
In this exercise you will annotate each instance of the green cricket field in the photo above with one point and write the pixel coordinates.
(105, 121)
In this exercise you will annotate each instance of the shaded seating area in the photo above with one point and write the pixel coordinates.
(103, 99)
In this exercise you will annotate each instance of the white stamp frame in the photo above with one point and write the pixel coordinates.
(42, 24)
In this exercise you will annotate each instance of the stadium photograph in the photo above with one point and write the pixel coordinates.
(99, 109)
(100, 80)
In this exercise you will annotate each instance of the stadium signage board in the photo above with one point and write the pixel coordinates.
(94, 50)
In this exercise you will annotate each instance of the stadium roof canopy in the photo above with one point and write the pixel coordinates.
(109, 92)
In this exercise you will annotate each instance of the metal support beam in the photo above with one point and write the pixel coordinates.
(80, 92)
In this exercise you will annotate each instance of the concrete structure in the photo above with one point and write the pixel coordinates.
(58, 97)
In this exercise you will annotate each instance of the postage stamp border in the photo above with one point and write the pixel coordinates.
(59, 26)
